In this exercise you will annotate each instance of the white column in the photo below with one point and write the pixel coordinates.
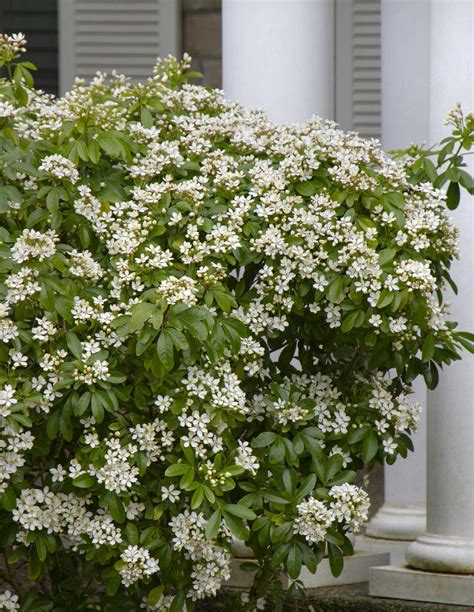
(405, 43)
(441, 561)
(279, 55)
(448, 544)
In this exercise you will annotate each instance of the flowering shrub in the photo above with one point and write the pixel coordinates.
(209, 323)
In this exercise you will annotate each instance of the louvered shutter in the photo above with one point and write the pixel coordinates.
(122, 35)
(358, 66)
(38, 20)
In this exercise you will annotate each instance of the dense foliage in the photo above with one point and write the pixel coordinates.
(209, 324)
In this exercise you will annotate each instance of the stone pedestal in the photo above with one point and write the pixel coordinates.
(356, 569)
(395, 548)
(402, 583)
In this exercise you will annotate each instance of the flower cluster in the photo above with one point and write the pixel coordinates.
(137, 564)
(348, 506)
(211, 563)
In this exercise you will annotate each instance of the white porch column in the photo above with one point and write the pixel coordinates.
(448, 544)
(443, 558)
(405, 97)
(279, 55)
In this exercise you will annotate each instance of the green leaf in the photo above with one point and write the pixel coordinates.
(155, 595)
(294, 561)
(385, 298)
(335, 289)
(131, 533)
(431, 375)
(115, 506)
(146, 117)
(342, 477)
(465, 180)
(233, 334)
(193, 324)
(240, 511)
(213, 525)
(336, 560)
(453, 195)
(386, 256)
(84, 481)
(237, 527)
(277, 451)
(40, 545)
(273, 496)
(178, 338)
(177, 469)
(369, 446)
(94, 151)
(165, 349)
(224, 300)
(354, 319)
(306, 487)
(198, 497)
(306, 188)
(8, 498)
(74, 345)
(178, 602)
(264, 439)
(356, 435)
(429, 346)
(140, 314)
(34, 565)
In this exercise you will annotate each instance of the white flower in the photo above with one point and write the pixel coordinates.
(170, 493)
(389, 446)
(19, 360)
(34, 245)
(59, 167)
(138, 564)
(313, 520)
(9, 602)
(58, 473)
(246, 459)
(43, 330)
(375, 320)
(7, 400)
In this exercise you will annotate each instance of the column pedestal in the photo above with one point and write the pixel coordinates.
(400, 582)
(356, 570)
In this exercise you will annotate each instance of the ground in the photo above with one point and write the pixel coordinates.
(348, 598)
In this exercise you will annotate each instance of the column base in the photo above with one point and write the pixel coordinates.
(440, 553)
(400, 582)
(356, 569)
(397, 522)
(396, 548)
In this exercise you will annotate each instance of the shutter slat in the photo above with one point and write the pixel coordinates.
(366, 67)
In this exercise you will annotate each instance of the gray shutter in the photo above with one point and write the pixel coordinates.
(38, 20)
(358, 66)
(122, 35)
